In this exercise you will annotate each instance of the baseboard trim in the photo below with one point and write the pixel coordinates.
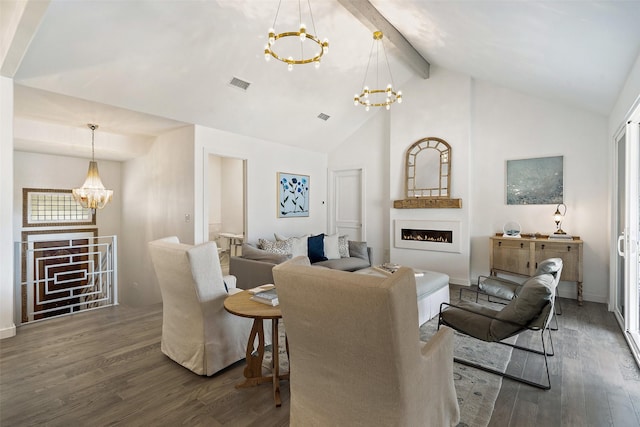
(8, 332)
(461, 282)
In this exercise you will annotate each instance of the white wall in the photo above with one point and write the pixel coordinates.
(158, 191)
(264, 160)
(436, 107)
(626, 98)
(7, 325)
(486, 125)
(368, 149)
(510, 125)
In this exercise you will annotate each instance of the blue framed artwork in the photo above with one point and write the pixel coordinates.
(537, 181)
(293, 195)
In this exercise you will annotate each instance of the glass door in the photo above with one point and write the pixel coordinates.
(620, 228)
(627, 288)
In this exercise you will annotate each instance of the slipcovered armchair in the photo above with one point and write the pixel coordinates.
(532, 309)
(197, 332)
(355, 353)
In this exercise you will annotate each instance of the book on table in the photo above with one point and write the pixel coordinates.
(269, 297)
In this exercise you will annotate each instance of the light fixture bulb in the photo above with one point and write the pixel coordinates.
(366, 108)
(267, 54)
(325, 46)
(317, 63)
(290, 66)
(272, 36)
(356, 99)
(303, 32)
(389, 89)
(388, 106)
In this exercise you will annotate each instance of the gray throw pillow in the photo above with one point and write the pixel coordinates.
(358, 250)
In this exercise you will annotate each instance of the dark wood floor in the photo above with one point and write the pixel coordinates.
(105, 368)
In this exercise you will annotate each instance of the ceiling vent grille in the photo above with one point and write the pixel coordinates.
(323, 116)
(239, 83)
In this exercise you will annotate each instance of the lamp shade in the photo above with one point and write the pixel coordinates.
(92, 194)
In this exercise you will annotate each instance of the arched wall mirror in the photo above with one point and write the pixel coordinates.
(428, 169)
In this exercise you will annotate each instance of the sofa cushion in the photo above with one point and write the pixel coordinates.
(359, 250)
(345, 264)
(315, 245)
(331, 248)
(251, 252)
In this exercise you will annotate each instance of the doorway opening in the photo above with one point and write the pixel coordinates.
(225, 199)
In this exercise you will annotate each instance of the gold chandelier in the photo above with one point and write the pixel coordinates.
(92, 195)
(377, 97)
(312, 56)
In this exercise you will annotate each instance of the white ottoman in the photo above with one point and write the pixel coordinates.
(432, 289)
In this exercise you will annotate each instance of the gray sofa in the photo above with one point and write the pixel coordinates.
(254, 267)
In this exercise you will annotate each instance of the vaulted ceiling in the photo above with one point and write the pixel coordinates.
(141, 67)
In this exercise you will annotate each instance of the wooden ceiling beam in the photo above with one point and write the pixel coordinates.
(373, 20)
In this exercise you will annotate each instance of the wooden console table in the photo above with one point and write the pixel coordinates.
(520, 256)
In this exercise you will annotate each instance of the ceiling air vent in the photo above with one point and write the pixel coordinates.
(323, 116)
(239, 83)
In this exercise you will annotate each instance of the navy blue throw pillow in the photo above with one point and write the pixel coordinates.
(315, 248)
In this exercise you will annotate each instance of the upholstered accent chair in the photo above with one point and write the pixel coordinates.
(197, 332)
(532, 309)
(499, 287)
(508, 289)
(355, 353)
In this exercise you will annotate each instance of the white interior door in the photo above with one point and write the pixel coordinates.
(348, 204)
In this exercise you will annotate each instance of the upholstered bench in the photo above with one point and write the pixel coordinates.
(432, 289)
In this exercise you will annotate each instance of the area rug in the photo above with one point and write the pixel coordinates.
(477, 390)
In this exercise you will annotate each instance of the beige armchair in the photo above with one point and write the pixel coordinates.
(197, 332)
(355, 354)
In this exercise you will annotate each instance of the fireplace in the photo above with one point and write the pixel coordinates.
(441, 236)
(426, 235)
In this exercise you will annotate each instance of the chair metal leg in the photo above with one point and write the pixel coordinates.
(558, 307)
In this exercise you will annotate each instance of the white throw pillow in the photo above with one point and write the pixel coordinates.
(298, 246)
(331, 248)
(279, 237)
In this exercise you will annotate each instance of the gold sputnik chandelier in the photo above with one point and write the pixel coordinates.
(92, 195)
(377, 97)
(315, 48)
